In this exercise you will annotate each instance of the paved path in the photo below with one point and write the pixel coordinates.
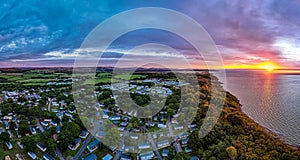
(87, 141)
(49, 105)
(177, 147)
(121, 144)
(85, 144)
(154, 147)
(39, 125)
(170, 128)
(60, 156)
(117, 155)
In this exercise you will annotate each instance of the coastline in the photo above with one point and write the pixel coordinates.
(240, 83)
(277, 137)
(269, 132)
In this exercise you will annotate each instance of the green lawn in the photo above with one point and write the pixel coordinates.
(4, 151)
(101, 80)
(31, 79)
(104, 74)
(11, 77)
(5, 83)
(71, 153)
(102, 152)
(128, 76)
(39, 75)
(35, 84)
(38, 80)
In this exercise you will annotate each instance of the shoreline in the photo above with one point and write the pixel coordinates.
(273, 131)
(269, 132)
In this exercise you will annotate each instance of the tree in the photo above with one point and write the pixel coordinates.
(134, 122)
(43, 102)
(139, 100)
(78, 121)
(105, 95)
(51, 94)
(69, 131)
(68, 101)
(4, 137)
(29, 143)
(22, 99)
(60, 97)
(50, 144)
(85, 120)
(64, 138)
(170, 111)
(47, 139)
(232, 152)
(65, 118)
(181, 156)
(235, 119)
(23, 128)
(52, 130)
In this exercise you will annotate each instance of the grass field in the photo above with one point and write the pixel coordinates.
(100, 80)
(41, 79)
(70, 153)
(11, 77)
(128, 76)
(101, 151)
(104, 74)
(4, 151)
(37, 80)
(35, 84)
(105, 78)
(31, 79)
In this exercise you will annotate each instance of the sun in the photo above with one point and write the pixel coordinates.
(269, 66)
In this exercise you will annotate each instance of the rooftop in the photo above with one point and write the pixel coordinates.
(93, 144)
(47, 157)
(107, 157)
(90, 157)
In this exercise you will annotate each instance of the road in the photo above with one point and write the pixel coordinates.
(84, 145)
(60, 156)
(39, 125)
(154, 147)
(49, 105)
(121, 144)
(117, 155)
(177, 147)
(176, 144)
(87, 141)
(170, 128)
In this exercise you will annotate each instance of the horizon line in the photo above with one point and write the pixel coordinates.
(52, 67)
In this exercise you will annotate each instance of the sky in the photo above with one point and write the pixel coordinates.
(247, 33)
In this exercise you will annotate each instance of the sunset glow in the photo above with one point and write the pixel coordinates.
(245, 41)
(268, 66)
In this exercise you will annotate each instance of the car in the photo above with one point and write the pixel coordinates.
(55, 154)
(38, 130)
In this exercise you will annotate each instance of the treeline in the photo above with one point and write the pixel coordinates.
(235, 135)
